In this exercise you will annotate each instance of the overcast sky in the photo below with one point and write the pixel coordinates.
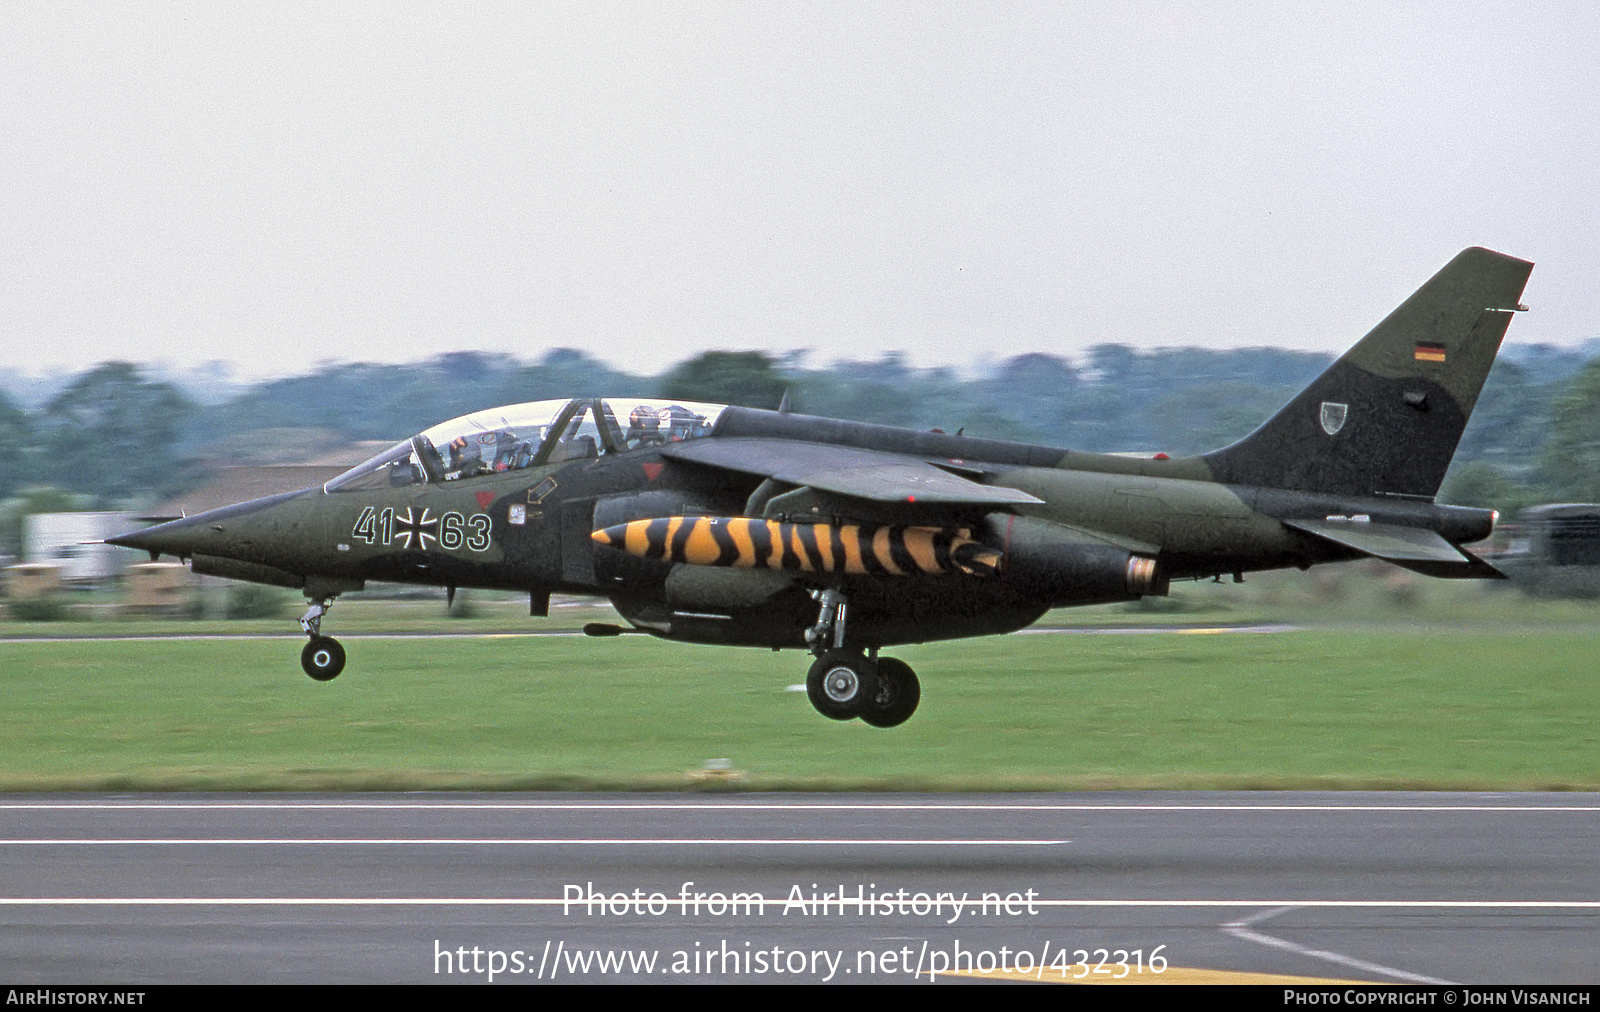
(277, 184)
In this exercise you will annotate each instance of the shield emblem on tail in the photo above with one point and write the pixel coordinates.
(1333, 416)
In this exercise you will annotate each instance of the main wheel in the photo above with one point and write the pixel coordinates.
(840, 683)
(323, 658)
(897, 697)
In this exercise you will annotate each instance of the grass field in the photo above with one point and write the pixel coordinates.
(1477, 691)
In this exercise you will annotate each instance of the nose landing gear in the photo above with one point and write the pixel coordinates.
(323, 657)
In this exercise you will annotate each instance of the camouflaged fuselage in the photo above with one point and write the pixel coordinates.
(1348, 468)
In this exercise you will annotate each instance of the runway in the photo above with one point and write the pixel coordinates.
(440, 888)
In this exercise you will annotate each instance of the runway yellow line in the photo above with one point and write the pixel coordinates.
(1171, 975)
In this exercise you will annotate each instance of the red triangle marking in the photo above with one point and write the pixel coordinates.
(484, 499)
(651, 471)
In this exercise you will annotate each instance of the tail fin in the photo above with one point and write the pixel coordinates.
(1386, 418)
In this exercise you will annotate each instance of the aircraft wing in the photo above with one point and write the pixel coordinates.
(844, 470)
(1414, 548)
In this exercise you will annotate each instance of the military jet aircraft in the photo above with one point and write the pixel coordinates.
(727, 525)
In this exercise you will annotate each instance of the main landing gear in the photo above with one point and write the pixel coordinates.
(845, 683)
(323, 657)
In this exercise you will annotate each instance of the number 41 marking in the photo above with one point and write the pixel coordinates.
(374, 527)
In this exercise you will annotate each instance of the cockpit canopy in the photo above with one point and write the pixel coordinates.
(518, 436)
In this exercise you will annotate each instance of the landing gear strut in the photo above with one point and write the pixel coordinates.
(323, 657)
(845, 683)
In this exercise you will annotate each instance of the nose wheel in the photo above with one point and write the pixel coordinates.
(322, 658)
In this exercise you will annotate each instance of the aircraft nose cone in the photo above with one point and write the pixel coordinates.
(225, 531)
(176, 537)
(133, 539)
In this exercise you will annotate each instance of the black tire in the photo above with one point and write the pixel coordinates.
(840, 684)
(897, 697)
(323, 658)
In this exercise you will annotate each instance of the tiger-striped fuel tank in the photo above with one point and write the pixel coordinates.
(806, 548)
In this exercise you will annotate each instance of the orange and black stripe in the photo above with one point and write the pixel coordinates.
(846, 549)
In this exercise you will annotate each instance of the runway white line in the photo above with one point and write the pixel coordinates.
(520, 842)
(540, 901)
(1242, 929)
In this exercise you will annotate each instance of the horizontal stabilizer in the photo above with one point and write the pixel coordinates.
(1474, 569)
(1414, 548)
(1389, 542)
(846, 471)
